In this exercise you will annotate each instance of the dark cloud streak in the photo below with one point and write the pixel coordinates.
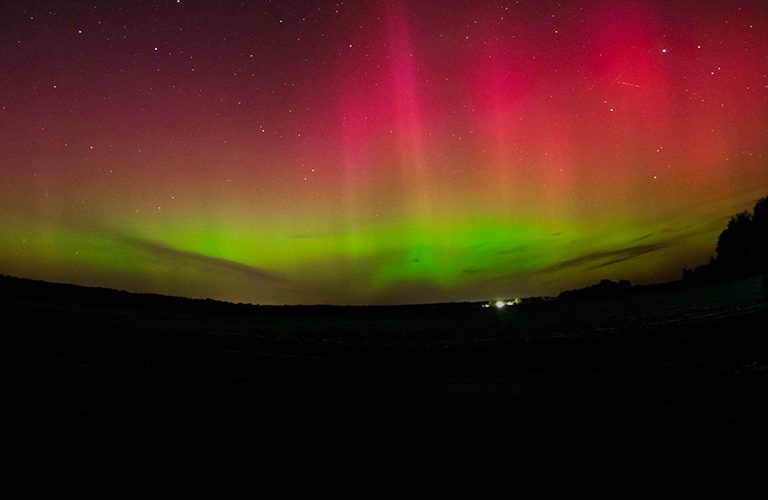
(183, 257)
(615, 256)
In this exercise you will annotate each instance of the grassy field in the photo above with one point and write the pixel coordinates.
(669, 382)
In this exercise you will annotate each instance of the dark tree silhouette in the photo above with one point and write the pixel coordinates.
(742, 248)
(705, 273)
(760, 235)
(735, 252)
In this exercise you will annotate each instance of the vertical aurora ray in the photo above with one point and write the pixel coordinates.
(410, 151)
(497, 90)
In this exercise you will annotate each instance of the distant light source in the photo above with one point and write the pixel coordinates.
(500, 304)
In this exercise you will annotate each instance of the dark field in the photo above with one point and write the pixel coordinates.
(669, 383)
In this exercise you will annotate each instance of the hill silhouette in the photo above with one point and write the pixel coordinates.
(228, 398)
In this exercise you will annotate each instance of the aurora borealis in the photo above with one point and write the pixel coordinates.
(376, 152)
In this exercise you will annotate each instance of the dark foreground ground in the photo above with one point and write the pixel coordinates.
(666, 384)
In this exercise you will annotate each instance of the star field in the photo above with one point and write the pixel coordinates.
(376, 151)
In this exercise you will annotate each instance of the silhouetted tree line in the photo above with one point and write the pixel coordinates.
(603, 289)
(742, 249)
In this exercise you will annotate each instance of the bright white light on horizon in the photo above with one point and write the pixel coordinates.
(500, 304)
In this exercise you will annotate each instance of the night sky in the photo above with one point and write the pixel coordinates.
(376, 152)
